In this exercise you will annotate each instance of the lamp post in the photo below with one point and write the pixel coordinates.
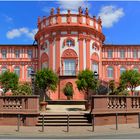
(33, 81)
(96, 76)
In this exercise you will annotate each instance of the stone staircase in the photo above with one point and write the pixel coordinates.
(62, 119)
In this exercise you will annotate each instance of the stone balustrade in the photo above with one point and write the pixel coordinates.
(72, 19)
(19, 104)
(115, 104)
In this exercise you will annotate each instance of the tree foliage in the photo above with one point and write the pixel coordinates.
(130, 79)
(112, 87)
(86, 81)
(23, 89)
(46, 80)
(9, 81)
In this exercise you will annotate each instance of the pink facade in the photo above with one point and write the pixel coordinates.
(69, 43)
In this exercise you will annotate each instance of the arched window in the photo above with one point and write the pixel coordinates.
(110, 72)
(95, 67)
(3, 69)
(17, 71)
(69, 62)
(122, 69)
(69, 42)
(29, 69)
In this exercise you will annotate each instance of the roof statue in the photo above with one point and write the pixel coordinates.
(58, 10)
(86, 12)
(68, 11)
(80, 11)
(52, 12)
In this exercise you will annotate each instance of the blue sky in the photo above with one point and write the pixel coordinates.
(121, 19)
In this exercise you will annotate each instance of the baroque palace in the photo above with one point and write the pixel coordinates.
(69, 43)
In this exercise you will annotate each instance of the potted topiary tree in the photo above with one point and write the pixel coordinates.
(68, 91)
(46, 80)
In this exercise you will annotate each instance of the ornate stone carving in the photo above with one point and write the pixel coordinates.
(69, 53)
(44, 58)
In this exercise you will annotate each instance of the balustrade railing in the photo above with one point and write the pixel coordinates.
(115, 103)
(19, 104)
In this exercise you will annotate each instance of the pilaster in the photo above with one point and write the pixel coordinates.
(87, 53)
(57, 54)
(51, 53)
(81, 54)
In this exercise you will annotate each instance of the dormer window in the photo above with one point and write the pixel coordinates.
(70, 43)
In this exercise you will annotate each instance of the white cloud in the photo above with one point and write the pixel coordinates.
(7, 18)
(14, 33)
(72, 5)
(110, 15)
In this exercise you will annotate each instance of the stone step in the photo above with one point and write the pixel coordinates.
(61, 119)
(60, 124)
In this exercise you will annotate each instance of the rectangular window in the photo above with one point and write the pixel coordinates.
(4, 53)
(135, 53)
(110, 53)
(30, 53)
(69, 67)
(110, 72)
(122, 53)
(17, 53)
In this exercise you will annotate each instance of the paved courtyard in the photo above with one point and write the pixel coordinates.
(66, 109)
(74, 132)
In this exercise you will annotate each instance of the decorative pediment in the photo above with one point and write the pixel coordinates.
(95, 57)
(69, 53)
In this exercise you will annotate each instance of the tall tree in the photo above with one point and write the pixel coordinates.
(23, 89)
(9, 81)
(86, 82)
(130, 79)
(46, 80)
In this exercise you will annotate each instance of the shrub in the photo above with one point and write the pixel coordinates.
(68, 90)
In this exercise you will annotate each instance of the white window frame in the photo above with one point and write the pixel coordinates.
(122, 53)
(4, 53)
(69, 67)
(17, 71)
(110, 53)
(110, 72)
(122, 69)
